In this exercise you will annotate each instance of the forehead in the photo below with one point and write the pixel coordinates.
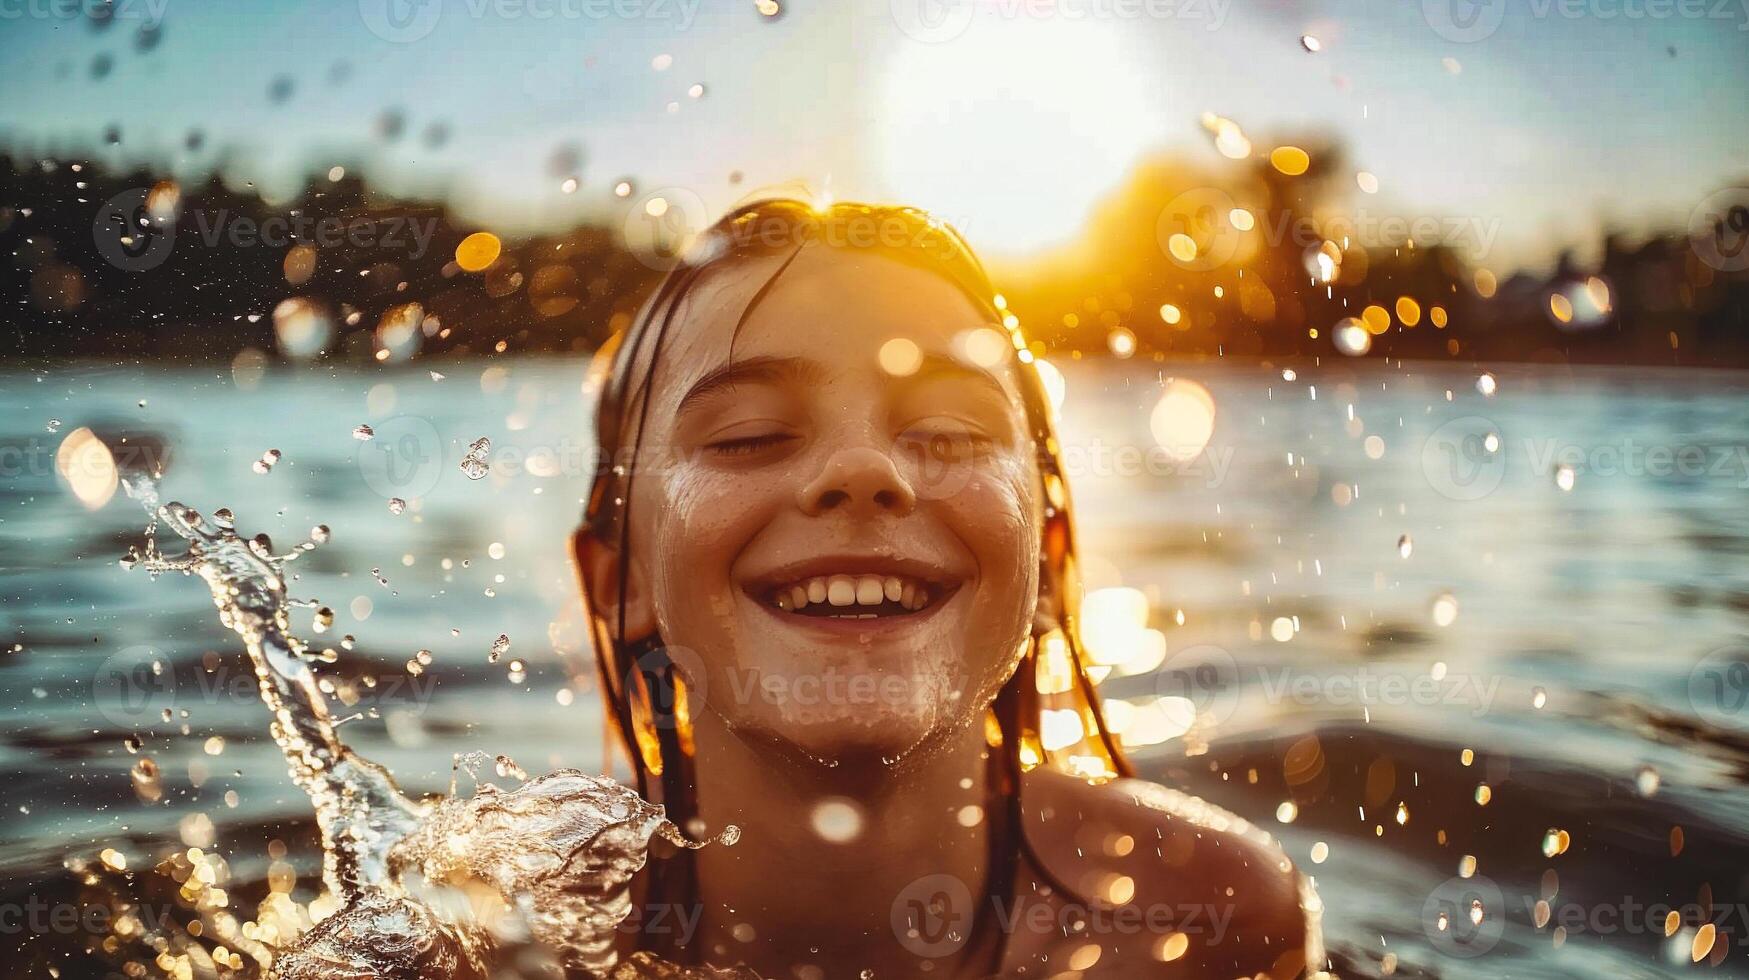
(834, 306)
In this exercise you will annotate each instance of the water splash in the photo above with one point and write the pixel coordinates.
(426, 888)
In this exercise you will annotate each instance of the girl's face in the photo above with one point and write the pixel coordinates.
(839, 549)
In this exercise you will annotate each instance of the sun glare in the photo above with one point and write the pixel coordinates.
(1013, 130)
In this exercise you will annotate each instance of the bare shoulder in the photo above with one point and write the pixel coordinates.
(1176, 866)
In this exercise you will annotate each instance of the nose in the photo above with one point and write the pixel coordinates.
(860, 481)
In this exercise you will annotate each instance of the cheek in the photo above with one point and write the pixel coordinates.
(702, 521)
(999, 520)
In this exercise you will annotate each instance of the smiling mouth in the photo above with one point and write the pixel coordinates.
(856, 596)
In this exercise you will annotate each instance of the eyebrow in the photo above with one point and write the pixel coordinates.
(936, 366)
(752, 370)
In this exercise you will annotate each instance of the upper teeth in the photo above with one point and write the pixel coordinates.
(853, 590)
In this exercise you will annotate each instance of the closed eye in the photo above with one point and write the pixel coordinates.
(748, 445)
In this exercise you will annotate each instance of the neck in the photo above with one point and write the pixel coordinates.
(827, 853)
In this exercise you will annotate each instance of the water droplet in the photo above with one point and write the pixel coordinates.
(837, 819)
(54, 425)
(1564, 478)
(363, 433)
(1311, 43)
(1555, 841)
(500, 647)
(1405, 546)
(1287, 812)
(1538, 697)
(474, 464)
(1445, 609)
(320, 534)
(397, 505)
(1487, 385)
(1646, 780)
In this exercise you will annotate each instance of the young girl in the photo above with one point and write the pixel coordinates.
(831, 577)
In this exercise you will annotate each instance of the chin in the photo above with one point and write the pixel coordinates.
(875, 718)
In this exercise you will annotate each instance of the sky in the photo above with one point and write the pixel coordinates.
(1530, 124)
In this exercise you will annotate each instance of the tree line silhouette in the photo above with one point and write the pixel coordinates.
(128, 265)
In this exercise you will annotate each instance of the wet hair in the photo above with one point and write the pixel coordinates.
(646, 699)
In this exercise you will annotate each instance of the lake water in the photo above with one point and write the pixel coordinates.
(1572, 611)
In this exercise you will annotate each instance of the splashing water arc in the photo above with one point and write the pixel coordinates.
(429, 888)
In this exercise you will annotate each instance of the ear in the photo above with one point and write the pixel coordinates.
(598, 572)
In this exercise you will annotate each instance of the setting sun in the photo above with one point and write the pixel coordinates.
(1013, 130)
